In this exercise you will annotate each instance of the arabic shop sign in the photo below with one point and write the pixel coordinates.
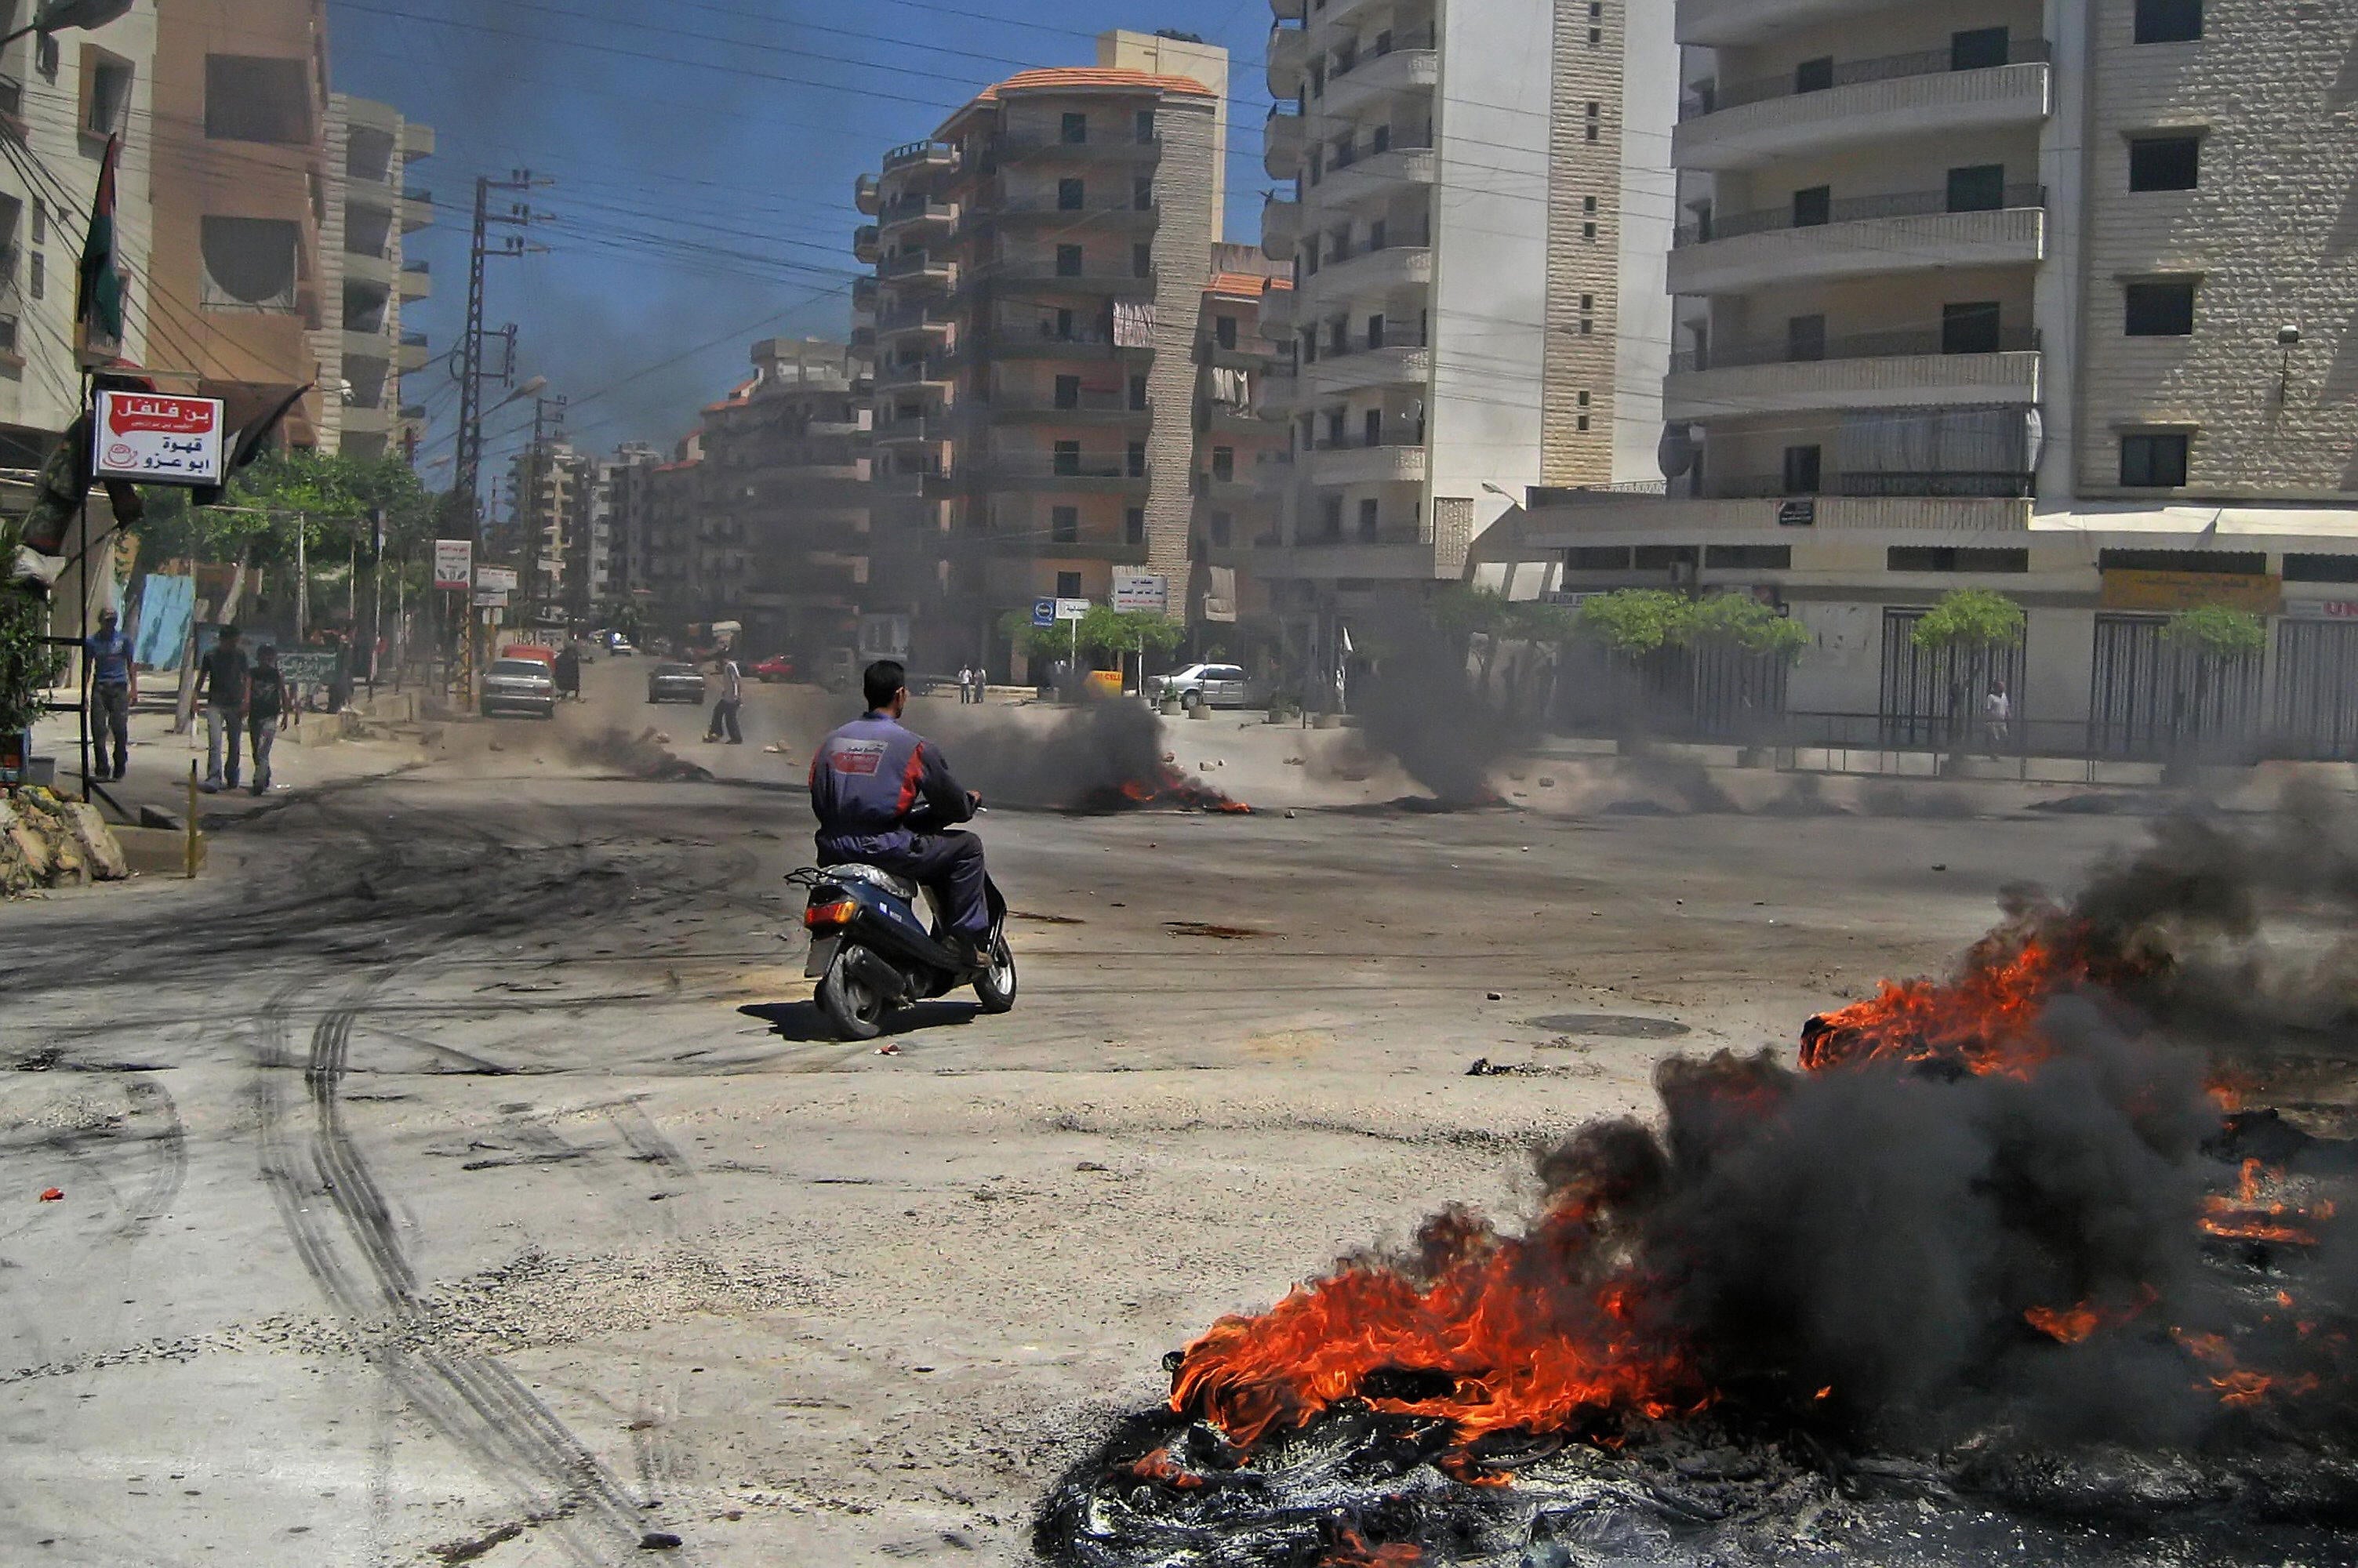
(156, 439)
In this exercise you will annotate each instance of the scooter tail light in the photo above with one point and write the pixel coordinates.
(820, 914)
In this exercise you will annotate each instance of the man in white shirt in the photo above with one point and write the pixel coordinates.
(732, 695)
(1996, 710)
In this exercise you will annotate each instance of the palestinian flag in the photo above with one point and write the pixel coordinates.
(97, 293)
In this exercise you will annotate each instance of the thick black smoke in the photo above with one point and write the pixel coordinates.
(1078, 763)
(1420, 707)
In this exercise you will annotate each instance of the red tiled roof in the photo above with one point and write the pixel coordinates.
(1069, 78)
(1250, 286)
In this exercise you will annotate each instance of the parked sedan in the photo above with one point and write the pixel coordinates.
(520, 685)
(675, 682)
(1212, 686)
(776, 667)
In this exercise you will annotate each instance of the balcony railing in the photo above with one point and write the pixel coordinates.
(1419, 141)
(1710, 98)
(413, 340)
(417, 268)
(1953, 483)
(419, 193)
(919, 152)
(1368, 247)
(1358, 441)
(1852, 209)
(1424, 38)
(1048, 402)
(1898, 344)
(1048, 272)
(909, 262)
(1048, 466)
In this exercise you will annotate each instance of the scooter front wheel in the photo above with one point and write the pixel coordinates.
(996, 985)
(856, 1010)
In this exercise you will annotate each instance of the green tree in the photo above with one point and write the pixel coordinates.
(1634, 620)
(1739, 620)
(1106, 630)
(2216, 631)
(1975, 620)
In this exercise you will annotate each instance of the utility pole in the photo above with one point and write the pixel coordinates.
(546, 412)
(467, 358)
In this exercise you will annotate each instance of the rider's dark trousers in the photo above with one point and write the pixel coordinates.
(951, 864)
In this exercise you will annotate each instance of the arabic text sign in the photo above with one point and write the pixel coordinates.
(453, 563)
(496, 579)
(490, 599)
(1072, 610)
(157, 440)
(1140, 592)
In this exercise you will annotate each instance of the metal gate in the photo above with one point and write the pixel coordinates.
(2317, 690)
(1710, 693)
(1736, 696)
(1932, 698)
(2153, 698)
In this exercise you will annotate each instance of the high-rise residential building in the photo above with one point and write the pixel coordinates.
(60, 101)
(1476, 240)
(237, 284)
(621, 512)
(2048, 299)
(550, 482)
(368, 208)
(1241, 462)
(1041, 262)
(781, 528)
(673, 500)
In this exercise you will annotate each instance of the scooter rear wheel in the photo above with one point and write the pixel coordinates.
(857, 1011)
(996, 985)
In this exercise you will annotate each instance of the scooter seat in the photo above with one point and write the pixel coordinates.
(899, 887)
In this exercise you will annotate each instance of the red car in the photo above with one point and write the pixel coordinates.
(777, 668)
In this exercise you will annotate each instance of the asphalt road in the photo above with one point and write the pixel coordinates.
(462, 1174)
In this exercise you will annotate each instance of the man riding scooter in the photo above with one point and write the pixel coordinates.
(885, 797)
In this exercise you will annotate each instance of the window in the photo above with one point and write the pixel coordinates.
(1224, 464)
(1596, 36)
(2165, 163)
(1814, 206)
(1141, 194)
(1370, 525)
(1977, 188)
(106, 91)
(1133, 525)
(1801, 471)
(1954, 558)
(1977, 50)
(1224, 331)
(1067, 460)
(1138, 392)
(1379, 234)
(249, 264)
(1310, 346)
(2320, 569)
(253, 100)
(38, 277)
(1589, 203)
(1069, 391)
(1064, 325)
(1588, 230)
(1591, 130)
(1141, 261)
(1970, 328)
(2168, 21)
(1584, 400)
(1338, 337)
(1814, 75)
(40, 221)
(2155, 461)
(1076, 130)
(1748, 557)
(1064, 525)
(1072, 195)
(1373, 427)
(1335, 420)
(1597, 559)
(2162, 310)
(1068, 261)
(1137, 459)
(1664, 557)
(1375, 332)
(1330, 517)
(1068, 585)
(1805, 339)
(1379, 140)
(1223, 526)
(1145, 125)
(2230, 563)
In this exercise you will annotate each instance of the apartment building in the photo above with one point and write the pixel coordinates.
(674, 498)
(1242, 465)
(60, 102)
(550, 483)
(1477, 244)
(622, 508)
(1040, 268)
(782, 526)
(367, 277)
(2047, 298)
(237, 284)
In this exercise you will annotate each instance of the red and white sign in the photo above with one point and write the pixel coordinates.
(156, 439)
(2321, 609)
(454, 561)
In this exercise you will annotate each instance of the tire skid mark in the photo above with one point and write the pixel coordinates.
(475, 1401)
(170, 1152)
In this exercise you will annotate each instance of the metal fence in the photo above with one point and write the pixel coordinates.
(2153, 698)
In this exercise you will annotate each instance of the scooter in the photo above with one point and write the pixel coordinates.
(871, 952)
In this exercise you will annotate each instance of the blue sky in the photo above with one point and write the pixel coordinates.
(703, 153)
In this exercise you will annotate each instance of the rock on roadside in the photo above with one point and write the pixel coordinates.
(48, 842)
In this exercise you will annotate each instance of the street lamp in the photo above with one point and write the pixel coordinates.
(57, 16)
(531, 388)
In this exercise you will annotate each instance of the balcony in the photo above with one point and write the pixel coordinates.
(1863, 236)
(905, 320)
(1377, 175)
(367, 346)
(1092, 472)
(1224, 419)
(1869, 375)
(1277, 312)
(1746, 124)
(1047, 146)
(1383, 558)
(417, 280)
(867, 244)
(416, 210)
(1401, 364)
(359, 420)
(1289, 56)
(369, 266)
(1280, 227)
(913, 216)
(1281, 142)
(1286, 10)
(1234, 494)
(1367, 273)
(1086, 409)
(1381, 76)
(1720, 23)
(921, 155)
(1033, 212)
(1089, 280)
(863, 293)
(917, 269)
(931, 371)
(413, 353)
(866, 195)
(1083, 343)
(1356, 462)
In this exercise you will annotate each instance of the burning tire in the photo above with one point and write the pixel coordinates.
(996, 987)
(856, 1009)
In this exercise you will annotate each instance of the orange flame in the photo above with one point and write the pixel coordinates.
(1168, 786)
(1160, 1466)
(1353, 1551)
(2074, 1325)
(2246, 1217)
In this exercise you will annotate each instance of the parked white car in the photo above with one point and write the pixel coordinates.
(1204, 686)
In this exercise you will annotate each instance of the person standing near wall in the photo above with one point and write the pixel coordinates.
(114, 687)
(265, 705)
(222, 681)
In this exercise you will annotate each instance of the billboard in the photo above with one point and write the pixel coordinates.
(454, 562)
(158, 439)
(1142, 591)
(496, 579)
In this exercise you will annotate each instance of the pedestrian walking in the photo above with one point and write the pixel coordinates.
(265, 705)
(114, 687)
(966, 684)
(222, 681)
(1997, 709)
(981, 684)
(568, 672)
(732, 695)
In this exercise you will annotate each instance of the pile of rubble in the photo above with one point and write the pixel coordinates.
(47, 842)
